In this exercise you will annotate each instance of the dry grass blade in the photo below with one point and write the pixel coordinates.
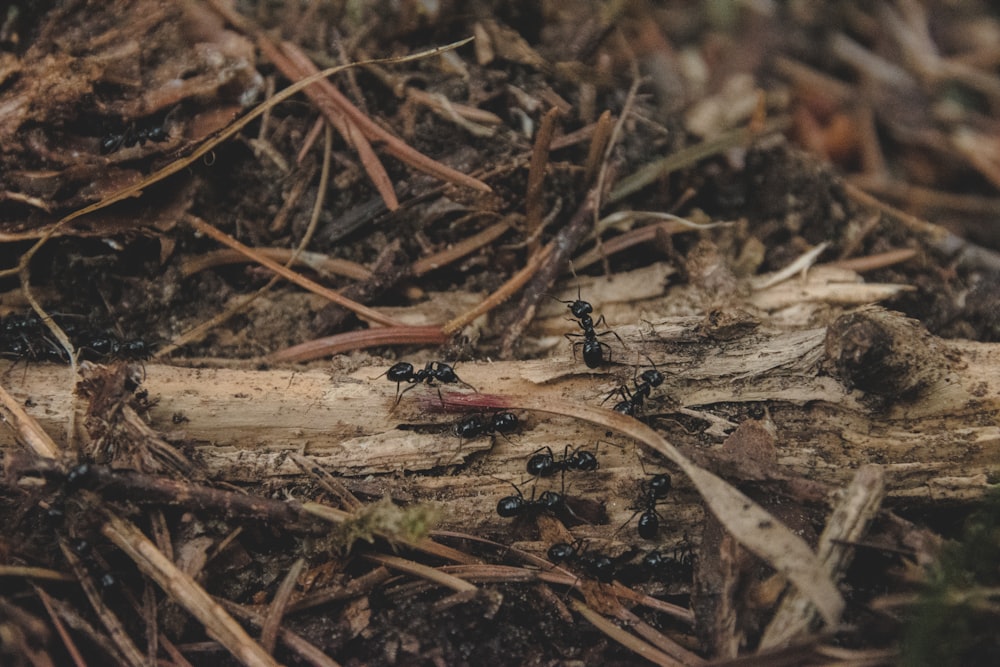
(536, 177)
(296, 65)
(308, 652)
(116, 630)
(629, 641)
(423, 571)
(360, 310)
(858, 506)
(686, 157)
(516, 282)
(28, 430)
(185, 591)
(67, 640)
(269, 631)
(357, 340)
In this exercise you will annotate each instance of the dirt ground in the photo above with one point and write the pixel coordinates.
(732, 268)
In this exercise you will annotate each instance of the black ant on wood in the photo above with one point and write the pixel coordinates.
(474, 426)
(593, 349)
(132, 136)
(598, 566)
(434, 370)
(633, 400)
(677, 567)
(544, 464)
(652, 493)
(515, 506)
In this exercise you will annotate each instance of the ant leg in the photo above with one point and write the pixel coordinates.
(413, 384)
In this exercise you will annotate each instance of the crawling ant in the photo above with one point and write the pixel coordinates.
(544, 464)
(515, 506)
(434, 370)
(132, 136)
(104, 346)
(593, 348)
(676, 567)
(84, 550)
(598, 566)
(652, 493)
(474, 426)
(633, 400)
(26, 337)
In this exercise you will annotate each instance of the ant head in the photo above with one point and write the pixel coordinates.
(660, 485)
(585, 461)
(653, 377)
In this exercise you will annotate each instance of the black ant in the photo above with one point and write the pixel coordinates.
(84, 550)
(25, 337)
(132, 136)
(598, 566)
(544, 464)
(633, 400)
(98, 347)
(474, 426)
(652, 493)
(434, 370)
(515, 506)
(677, 567)
(593, 349)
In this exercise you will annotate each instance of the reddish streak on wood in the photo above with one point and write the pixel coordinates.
(356, 340)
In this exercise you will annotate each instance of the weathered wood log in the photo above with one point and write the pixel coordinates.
(929, 417)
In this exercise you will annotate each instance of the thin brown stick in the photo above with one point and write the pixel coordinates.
(276, 612)
(296, 65)
(393, 144)
(877, 261)
(358, 309)
(505, 291)
(322, 264)
(185, 591)
(30, 433)
(398, 148)
(629, 641)
(295, 642)
(548, 269)
(358, 340)
(536, 178)
(67, 640)
(598, 144)
(423, 571)
(116, 629)
(464, 247)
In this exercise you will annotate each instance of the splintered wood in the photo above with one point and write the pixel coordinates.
(935, 439)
